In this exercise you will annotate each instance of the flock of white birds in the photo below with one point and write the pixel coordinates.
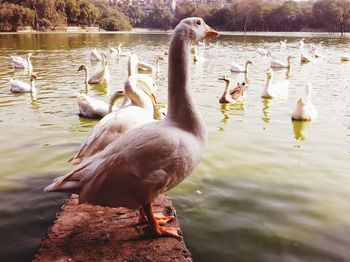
(175, 144)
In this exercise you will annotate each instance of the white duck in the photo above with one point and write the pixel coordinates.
(136, 111)
(305, 110)
(240, 69)
(101, 76)
(279, 64)
(148, 68)
(272, 90)
(20, 62)
(17, 86)
(155, 157)
(95, 108)
(235, 95)
(95, 55)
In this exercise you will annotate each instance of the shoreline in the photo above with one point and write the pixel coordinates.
(136, 30)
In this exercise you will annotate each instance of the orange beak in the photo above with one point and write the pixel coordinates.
(211, 32)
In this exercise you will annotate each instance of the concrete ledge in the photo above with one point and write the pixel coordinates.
(94, 233)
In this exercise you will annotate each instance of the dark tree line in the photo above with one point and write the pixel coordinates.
(239, 15)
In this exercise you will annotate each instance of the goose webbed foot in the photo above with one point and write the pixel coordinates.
(159, 217)
(154, 221)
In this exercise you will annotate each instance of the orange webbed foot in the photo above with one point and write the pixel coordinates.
(159, 231)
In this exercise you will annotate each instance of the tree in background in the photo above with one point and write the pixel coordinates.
(160, 17)
(13, 15)
(333, 14)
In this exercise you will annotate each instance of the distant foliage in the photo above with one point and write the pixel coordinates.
(12, 16)
(236, 15)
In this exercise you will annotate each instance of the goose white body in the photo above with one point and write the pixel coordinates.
(275, 63)
(17, 86)
(275, 90)
(305, 110)
(113, 125)
(95, 55)
(92, 107)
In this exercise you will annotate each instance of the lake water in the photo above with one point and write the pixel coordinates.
(267, 189)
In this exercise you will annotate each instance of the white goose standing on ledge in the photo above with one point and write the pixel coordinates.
(154, 157)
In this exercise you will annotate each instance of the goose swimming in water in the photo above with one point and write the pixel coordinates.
(272, 90)
(155, 157)
(233, 96)
(20, 62)
(17, 86)
(305, 110)
(240, 69)
(101, 76)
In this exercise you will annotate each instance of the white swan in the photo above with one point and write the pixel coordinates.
(95, 55)
(20, 62)
(305, 110)
(101, 76)
(155, 157)
(272, 90)
(279, 64)
(233, 96)
(148, 68)
(137, 111)
(17, 86)
(95, 108)
(240, 69)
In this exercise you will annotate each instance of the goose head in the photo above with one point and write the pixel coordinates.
(33, 77)
(290, 57)
(249, 62)
(196, 29)
(160, 58)
(269, 73)
(29, 55)
(82, 67)
(225, 78)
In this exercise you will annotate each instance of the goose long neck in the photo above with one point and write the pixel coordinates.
(158, 64)
(226, 90)
(32, 86)
(289, 64)
(246, 67)
(182, 110)
(138, 97)
(86, 70)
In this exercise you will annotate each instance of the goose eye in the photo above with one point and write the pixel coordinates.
(198, 22)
